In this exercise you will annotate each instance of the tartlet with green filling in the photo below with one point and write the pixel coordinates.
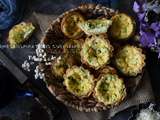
(61, 64)
(20, 33)
(95, 26)
(79, 81)
(110, 89)
(69, 25)
(123, 26)
(130, 60)
(96, 51)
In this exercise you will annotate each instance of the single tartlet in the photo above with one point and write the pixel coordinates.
(73, 47)
(79, 81)
(123, 26)
(130, 60)
(95, 26)
(20, 33)
(61, 64)
(96, 51)
(69, 25)
(110, 89)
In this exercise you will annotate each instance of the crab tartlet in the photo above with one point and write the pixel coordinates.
(122, 27)
(96, 26)
(61, 64)
(79, 81)
(20, 33)
(96, 51)
(69, 25)
(130, 60)
(110, 89)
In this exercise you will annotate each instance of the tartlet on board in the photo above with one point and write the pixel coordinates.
(61, 64)
(123, 27)
(96, 51)
(110, 88)
(79, 81)
(130, 60)
(73, 48)
(69, 25)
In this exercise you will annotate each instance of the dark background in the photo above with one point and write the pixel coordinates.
(153, 64)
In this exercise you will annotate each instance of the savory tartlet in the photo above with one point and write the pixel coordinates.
(61, 64)
(123, 26)
(73, 48)
(69, 25)
(110, 89)
(20, 33)
(130, 60)
(96, 51)
(79, 81)
(96, 26)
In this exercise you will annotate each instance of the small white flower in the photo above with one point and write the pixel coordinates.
(26, 66)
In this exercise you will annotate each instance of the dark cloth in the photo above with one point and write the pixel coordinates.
(11, 11)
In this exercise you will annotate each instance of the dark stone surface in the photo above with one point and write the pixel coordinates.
(7, 86)
(26, 108)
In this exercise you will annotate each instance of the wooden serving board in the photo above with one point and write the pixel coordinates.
(54, 36)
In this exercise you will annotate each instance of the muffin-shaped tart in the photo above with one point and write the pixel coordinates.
(110, 89)
(69, 25)
(96, 51)
(79, 81)
(60, 65)
(123, 26)
(130, 60)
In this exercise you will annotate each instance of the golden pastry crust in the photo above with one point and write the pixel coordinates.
(107, 70)
(130, 60)
(95, 26)
(104, 70)
(123, 26)
(69, 25)
(79, 81)
(61, 64)
(96, 51)
(20, 33)
(110, 89)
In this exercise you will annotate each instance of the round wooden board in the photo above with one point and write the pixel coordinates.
(54, 36)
